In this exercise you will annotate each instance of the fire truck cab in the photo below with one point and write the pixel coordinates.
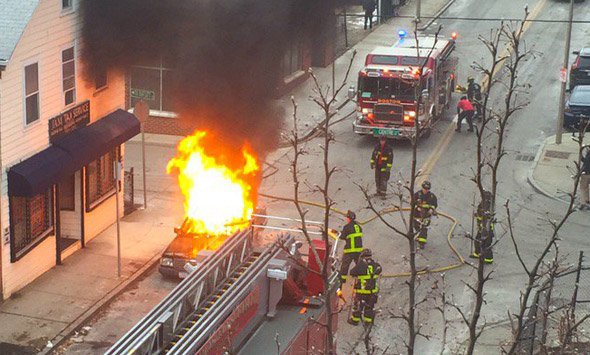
(392, 93)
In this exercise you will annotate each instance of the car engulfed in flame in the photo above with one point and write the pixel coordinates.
(219, 186)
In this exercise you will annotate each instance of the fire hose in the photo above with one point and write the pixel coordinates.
(461, 260)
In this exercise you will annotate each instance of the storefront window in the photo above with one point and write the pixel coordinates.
(151, 83)
(292, 61)
(31, 220)
(100, 180)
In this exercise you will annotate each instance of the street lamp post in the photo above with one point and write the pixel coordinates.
(418, 8)
(564, 77)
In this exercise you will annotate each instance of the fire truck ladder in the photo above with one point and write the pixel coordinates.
(198, 301)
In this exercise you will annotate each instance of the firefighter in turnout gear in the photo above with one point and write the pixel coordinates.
(381, 161)
(485, 229)
(474, 95)
(425, 208)
(352, 234)
(366, 288)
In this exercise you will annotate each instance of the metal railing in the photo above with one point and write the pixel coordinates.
(154, 331)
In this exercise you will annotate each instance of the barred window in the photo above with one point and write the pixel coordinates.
(100, 180)
(31, 220)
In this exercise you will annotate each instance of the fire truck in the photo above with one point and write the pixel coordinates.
(400, 85)
(247, 297)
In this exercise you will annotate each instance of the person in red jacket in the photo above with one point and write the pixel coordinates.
(465, 110)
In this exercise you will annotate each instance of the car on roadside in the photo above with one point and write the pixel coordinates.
(577, 107)
(580, 69)
(189, 248)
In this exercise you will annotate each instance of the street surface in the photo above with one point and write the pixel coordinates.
(452, 157)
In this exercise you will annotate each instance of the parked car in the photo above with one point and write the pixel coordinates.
(580, 69)
(577, 105)
(186, 248)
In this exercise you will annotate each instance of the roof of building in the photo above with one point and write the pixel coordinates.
(14, 17)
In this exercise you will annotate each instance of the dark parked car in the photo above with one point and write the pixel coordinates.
(577, 105)
(580, 69)
(188, 248)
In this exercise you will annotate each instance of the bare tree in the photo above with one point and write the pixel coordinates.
(326, 102)
(405, 192)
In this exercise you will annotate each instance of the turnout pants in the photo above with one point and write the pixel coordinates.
(483, 245)
(363, 308)
(369, 18)
(584, 193)
(347, 259)
(465, 115)
(421, 228)
(381, 179)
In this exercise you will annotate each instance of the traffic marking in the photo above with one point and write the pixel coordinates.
(443, 143)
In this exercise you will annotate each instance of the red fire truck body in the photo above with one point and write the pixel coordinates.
(392, 94)
(244, 298)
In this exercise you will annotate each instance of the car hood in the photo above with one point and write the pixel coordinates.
(185, 247)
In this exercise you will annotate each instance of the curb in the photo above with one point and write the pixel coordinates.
(437, 15)
(63, 335)
(531, 179)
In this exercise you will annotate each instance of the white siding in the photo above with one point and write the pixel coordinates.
(47, 33)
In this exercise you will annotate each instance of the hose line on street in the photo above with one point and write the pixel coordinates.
(388, 210)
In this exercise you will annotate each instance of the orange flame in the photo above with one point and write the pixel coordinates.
(219, 199)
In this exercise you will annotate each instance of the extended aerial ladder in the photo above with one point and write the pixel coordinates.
(233, 291)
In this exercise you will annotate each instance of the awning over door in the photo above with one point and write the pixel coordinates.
(36, 174)
(68, 155)
(91, 142)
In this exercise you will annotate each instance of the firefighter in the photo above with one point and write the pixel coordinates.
(352, 234)
(465, 110)
(485, 229)
(425, 208)
(381, 161)
(474, 95)
(366, 289)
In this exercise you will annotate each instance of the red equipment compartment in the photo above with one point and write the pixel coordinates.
(315, 285)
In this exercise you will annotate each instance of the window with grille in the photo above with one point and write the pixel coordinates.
(31, 93)
(100, 179)
(31, 220)
(66, 5)
(68, 65)
(152, 82)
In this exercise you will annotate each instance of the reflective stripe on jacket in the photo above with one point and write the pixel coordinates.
(352, 233)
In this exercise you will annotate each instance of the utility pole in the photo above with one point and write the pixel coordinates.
(564, 77)
(117, 168)
(142, 111)
(418, 6)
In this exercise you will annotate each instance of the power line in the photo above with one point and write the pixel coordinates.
(490, 19)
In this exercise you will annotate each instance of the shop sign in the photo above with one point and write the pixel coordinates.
(143, 94)
(69, 121)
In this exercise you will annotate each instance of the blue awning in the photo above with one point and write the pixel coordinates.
(36, 174)
(91, 142)
(68, 155)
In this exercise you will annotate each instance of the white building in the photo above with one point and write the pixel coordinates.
(59, 139)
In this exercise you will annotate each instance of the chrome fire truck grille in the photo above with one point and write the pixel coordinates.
(388, 113)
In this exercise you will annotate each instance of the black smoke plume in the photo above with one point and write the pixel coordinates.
(226, 54)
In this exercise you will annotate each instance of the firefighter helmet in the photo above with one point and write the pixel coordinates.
(351, 215)
(470, 78)
(366, 253)
(426, 185)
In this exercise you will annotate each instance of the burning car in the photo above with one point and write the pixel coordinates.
(219, 190)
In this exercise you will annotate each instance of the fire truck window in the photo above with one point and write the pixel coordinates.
(384, 59)
(412, 61)
(386, 88)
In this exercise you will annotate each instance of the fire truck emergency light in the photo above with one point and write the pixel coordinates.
(401, 33)
(454, 35)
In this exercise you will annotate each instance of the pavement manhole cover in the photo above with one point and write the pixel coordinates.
(525, 157)
(556, 154)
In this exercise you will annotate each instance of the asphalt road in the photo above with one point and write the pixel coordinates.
(450, 176)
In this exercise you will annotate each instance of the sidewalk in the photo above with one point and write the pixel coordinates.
(553, 167)
(61, 300)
